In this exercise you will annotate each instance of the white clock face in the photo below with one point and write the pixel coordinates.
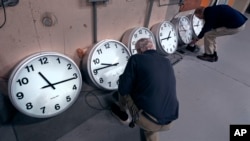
(166, 37)
(107, 61)
(197, 25)
(45, 84)
(185, 30)
(135, 35)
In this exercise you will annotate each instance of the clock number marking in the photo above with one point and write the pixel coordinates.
(96, 61)
(29, 106)
(57, 107)
(29, 68)
(74, 87)
(101, 80)
(69, 66)
(99, 51)
(107, 46)
(58, 59)
(44, 60)
(43, 109)
(109, 84)
(68, 98)
(23, 81)
(19, 95)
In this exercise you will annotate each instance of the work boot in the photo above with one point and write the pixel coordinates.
(208, 57)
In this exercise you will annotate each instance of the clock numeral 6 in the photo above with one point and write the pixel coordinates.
(57, 107)
(29, 106)
(23, 81)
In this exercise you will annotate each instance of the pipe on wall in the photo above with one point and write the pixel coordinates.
(147, 19)
(94, 22)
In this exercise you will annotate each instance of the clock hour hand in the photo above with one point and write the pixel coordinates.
(59, 82)
(50, 85)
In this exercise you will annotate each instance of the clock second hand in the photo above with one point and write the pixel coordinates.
(50, 85)
(59, 82)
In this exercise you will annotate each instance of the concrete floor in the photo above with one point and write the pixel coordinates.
(212, 96)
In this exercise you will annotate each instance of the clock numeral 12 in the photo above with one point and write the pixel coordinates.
(43, 60)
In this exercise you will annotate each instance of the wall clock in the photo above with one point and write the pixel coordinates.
(104, 63)
(196, 24)
(184, 30)
(166, 37)
(44, 84)
(131, 36)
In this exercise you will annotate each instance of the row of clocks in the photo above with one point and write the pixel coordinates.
(47, 83)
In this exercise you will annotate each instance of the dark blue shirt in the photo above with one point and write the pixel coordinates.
(150, 80)
(221, 16)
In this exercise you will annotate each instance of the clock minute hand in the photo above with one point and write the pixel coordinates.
(107, 65)
(59, 82)
(50, 85)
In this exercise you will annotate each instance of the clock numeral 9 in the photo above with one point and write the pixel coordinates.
(23, 81)
(29, 68)
(19, 95)
(95, 72)
(29, 106)
(96, 61)
(43, 60)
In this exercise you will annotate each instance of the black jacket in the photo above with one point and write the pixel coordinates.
(221, 16)
(150, 80)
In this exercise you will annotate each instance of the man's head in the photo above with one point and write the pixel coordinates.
(144, 44)
(199, 12)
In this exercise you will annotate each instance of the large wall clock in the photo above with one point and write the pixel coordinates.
(44, 84)
(196, 24)
(184, 30)
(104, 63)
(166, 37)
(131, 36)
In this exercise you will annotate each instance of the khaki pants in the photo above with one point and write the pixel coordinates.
(150, 129)
(210, 36)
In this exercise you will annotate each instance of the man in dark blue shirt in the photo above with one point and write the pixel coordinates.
(220, 20)
(147, 88)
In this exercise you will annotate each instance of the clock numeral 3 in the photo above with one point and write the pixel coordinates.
(43, 60)
(23, 81)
